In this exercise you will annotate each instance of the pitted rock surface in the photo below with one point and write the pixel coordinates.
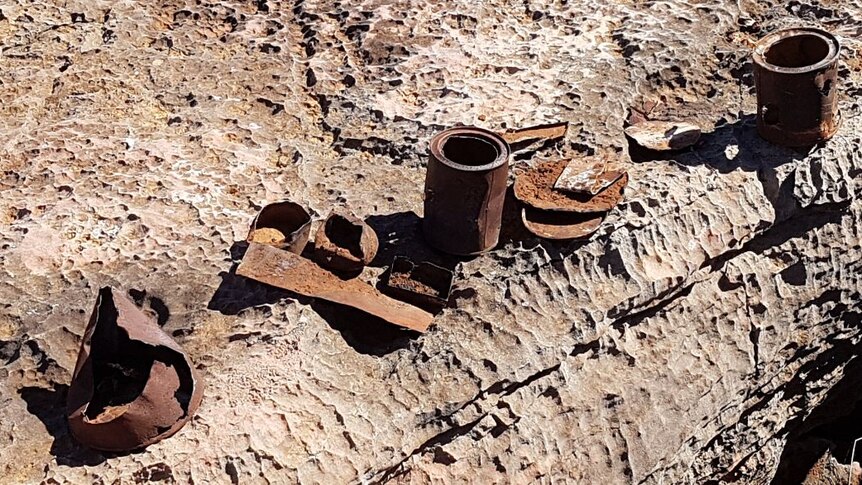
(693, 336)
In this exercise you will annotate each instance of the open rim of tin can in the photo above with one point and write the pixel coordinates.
(470, 149)
(818, 44)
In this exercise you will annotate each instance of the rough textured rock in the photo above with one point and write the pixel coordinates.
(697, 332)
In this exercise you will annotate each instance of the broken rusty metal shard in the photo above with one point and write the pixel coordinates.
(664, 135)
(560, 225)
(526, 137)
(133, 385)
(535, 187)
(284, 225)
(796, 79)
(294, 273)
(465, 187)
(421, 283)
(344, 243)
(588, 176)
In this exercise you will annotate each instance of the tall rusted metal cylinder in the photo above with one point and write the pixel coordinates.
(796, 77)
(465, 188)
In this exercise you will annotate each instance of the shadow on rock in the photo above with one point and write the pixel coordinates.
(400, 234)
(49, 405)
(365, 333)
(728, 147)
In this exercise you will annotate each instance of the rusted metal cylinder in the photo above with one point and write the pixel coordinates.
(465, 188)
(796, 76)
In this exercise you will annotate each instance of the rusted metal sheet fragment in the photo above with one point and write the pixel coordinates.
(525, 137)
(588, 176)
(560, 225)
(796, 78)
(664, 135)
(465, 187)
(535, 187)
(344, 242)
(294, 273)
(133, 385)
(284, 225)
(421, 283)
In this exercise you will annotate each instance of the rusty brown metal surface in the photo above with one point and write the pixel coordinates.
(535, 187)
(133, 385)
(344, 242)
(560, 225)
(664, 135)
(587, 176)
(465, 187)
(294, 273)
(284, 225)
(526, 137)
(796, 78)
(420, 283)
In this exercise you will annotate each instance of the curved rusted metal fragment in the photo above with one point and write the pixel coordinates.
(284, 225)
(796, 76)
(535, 187)
(344, 243)
(133, 385)
(560, 225)
(465, 187)
(294, 273)
(664, 135)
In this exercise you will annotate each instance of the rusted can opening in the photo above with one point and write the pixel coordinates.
(344, 234)
(804, 50)
(285, 225)
(796, 76)
(470, 149)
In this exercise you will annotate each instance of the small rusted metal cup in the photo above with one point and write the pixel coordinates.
(796, 75)
(465, 188)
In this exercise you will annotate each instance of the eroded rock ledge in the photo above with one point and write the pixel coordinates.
(712, 320)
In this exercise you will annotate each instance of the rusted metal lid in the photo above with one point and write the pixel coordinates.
(535, 187)
(587, 176)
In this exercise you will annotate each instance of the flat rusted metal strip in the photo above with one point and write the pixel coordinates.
(551, 131)
(294, 273)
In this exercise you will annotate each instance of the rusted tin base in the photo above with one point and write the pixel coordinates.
(423, 284)
(796, 75)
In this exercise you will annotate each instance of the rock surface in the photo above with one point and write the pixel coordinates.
(701, 328)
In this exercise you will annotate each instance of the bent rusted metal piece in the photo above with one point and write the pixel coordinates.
(465, 187)
(560, 225)
(344, 243)
(284, 225)
(294, 273)
(796, 77)
(133, 385)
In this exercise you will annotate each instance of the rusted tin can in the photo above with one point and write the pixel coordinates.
(465, 188)
(796, 76)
